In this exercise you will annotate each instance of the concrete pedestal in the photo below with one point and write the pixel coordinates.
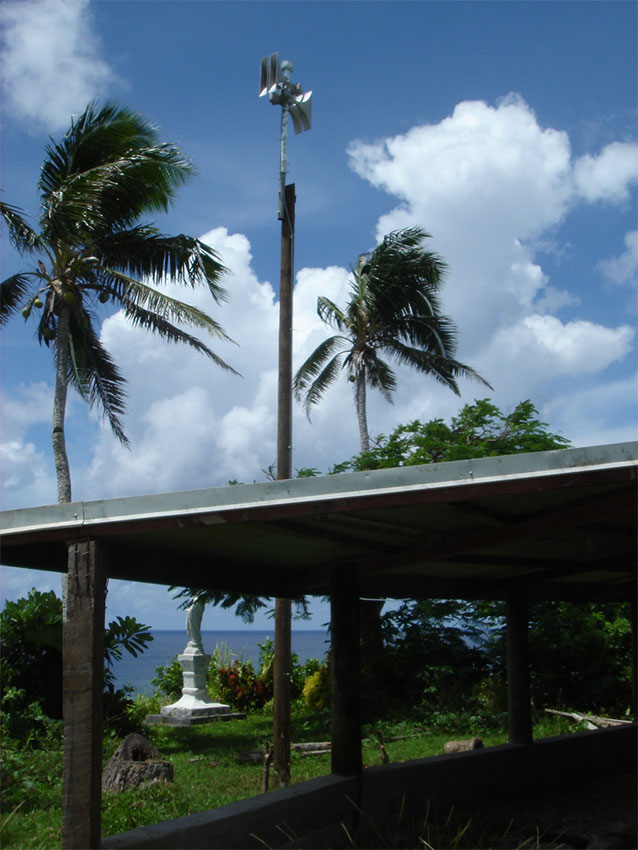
(194, 702)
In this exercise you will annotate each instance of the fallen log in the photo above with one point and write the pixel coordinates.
(312, 747)
(463, 746)
(592, 721)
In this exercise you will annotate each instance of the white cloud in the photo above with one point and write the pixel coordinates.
(543, 346)
(27, 477)
(493, 187)
(478, 161)
(496, 185)
(31, 405)
(624, 267)
(52, 61)
(608, 176)
(599, 414)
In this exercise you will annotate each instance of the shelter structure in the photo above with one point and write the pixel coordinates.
(557, 525)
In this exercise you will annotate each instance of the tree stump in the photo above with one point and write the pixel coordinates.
(463, 746)
(135, 764)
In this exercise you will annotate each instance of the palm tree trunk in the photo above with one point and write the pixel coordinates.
(59, 407)
(360, 401)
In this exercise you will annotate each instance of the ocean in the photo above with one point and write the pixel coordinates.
(242, 644)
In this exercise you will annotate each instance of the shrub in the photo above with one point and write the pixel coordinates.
(316, 689)
(31, 660)
(168, 681)
(240, 687)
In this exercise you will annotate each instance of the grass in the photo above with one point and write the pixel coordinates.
(207, 774)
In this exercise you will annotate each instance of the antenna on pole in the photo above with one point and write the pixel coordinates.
(274, 81)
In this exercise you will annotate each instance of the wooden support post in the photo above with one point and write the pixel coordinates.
(346, 673)
(83, 683)
(281, 692)
(634, 656)
(518, 693)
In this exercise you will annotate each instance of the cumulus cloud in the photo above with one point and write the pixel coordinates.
(623, 269)
(52, 61)
(493, 186)
(608, 176)
(540, 346)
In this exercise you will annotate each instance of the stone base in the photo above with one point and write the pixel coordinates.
(188, 707)
(190, 720)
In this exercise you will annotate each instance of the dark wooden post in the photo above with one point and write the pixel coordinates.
(346, 673)
(634, 655)
(83, 683)
(281, 692)
(281, 666)
(518, 693)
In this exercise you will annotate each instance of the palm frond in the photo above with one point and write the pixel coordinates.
(321, 383)
(381, 377)
(92, 371)
(107, 170)
(435, 333)
(21, 234)
(144, 252)
(331, 314)
(443, 368)
(12, 292)
(311, 367)
(140, 317)
(133, 293)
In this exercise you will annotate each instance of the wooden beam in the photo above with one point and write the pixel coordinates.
(518, 695)
(83, 683)
(346, 673)
(537, 524)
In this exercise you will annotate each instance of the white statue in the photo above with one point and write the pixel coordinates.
(194, 614)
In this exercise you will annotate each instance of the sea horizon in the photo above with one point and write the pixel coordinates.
(242, 644)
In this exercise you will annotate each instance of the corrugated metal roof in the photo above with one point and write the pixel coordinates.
(563, 523)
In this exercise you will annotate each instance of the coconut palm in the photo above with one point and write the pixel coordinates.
(89, 248)
(393, 311)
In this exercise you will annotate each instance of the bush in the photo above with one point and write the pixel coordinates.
(168, 681)
(31, 660)
(316, 689)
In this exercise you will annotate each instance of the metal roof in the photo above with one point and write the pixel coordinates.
(560, 523)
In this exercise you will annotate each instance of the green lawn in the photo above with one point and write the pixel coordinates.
(207, 774)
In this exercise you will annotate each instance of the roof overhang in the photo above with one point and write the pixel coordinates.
(561, 524)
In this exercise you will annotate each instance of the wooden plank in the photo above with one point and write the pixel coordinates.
(346, 710)
(83, 682)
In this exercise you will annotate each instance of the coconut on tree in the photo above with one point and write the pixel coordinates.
(393, 314)
(90, 248)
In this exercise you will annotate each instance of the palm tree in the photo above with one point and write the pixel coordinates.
(393, 310)
(95, 184)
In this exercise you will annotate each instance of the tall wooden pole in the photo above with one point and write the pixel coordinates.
(83, 682)
(281, 666)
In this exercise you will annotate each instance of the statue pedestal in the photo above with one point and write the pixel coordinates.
(194, 702)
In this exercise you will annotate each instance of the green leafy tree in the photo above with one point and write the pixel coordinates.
(479, 430)
(89, 248)
(31, 659)
(416, 652)
(393, 312)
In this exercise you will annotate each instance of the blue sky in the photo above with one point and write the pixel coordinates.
(507, 130)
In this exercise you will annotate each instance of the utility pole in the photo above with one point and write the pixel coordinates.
(275, 82)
